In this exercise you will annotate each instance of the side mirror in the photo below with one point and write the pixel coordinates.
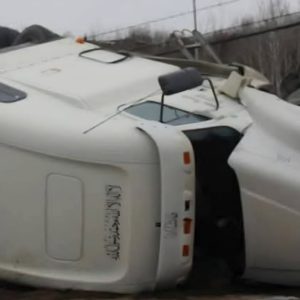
(180, 81)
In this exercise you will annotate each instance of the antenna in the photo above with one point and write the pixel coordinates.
(195, 14)
(195, 26)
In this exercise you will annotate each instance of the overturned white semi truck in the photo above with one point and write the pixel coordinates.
(105, 157)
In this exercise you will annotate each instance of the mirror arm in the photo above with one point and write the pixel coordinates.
(214, 92)
(162, 104)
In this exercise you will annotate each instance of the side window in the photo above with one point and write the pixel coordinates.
(173, 116)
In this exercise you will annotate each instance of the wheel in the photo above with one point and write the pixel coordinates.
(7, 36)
(35, 34)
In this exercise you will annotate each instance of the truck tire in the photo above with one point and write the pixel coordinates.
(35, 34)
(7, 36)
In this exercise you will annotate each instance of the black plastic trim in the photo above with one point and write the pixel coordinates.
(126, 56)
(9, 94)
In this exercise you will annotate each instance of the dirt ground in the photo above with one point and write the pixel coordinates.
(191, 291)
(209, 280)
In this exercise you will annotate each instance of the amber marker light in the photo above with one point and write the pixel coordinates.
(186, 158)
(187, 225)
(185, 250)
(80, 40)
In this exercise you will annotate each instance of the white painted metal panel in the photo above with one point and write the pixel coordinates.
(64, 217)
(177, 183)
(267, 163)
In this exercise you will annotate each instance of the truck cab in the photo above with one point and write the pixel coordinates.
(112, 174)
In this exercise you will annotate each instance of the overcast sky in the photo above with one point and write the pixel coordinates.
(87, 16)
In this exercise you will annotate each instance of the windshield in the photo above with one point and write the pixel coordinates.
(151, 111)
